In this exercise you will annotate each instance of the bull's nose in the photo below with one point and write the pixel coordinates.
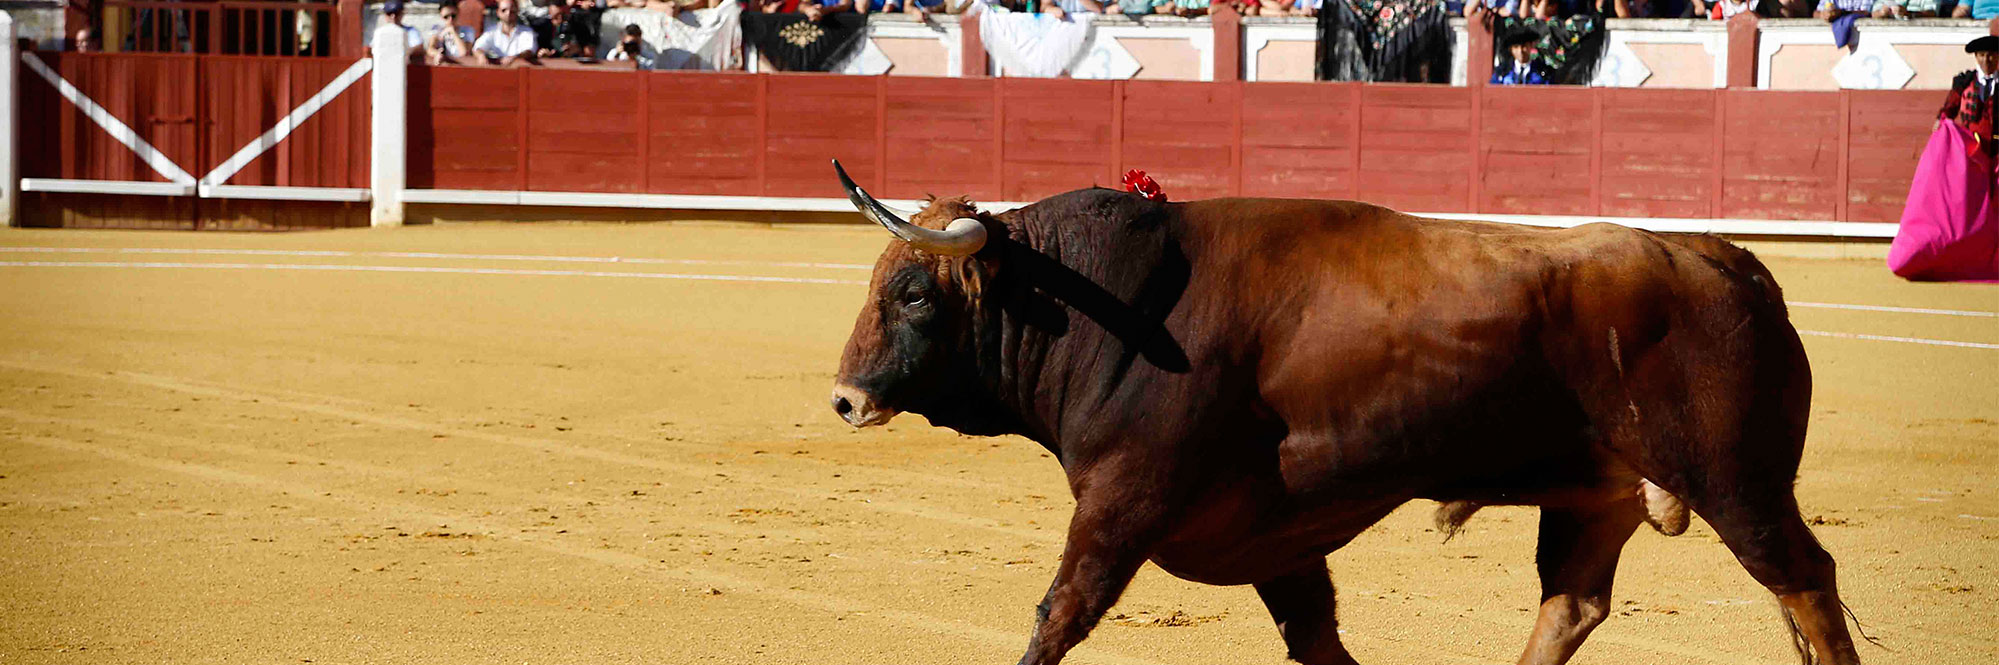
(857, 408)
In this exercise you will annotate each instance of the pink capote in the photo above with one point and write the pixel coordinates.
(1949, 231)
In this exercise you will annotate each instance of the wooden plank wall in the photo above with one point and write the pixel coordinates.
(1301, 140)
(1535, 147)
(243, 97)
(153, 94)
(941, 137)
(1552, 151)
(466, 128)
(1886, 134)
(1657, 153)
(705, 134)
(1641, 153)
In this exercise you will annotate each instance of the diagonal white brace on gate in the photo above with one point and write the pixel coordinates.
(285, 125)
(112, 125)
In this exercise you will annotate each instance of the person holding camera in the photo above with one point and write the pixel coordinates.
(632, 46)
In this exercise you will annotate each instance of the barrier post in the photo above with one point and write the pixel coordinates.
(972, 49)
(1227, 24)
(10, 178)
(387, 167)
(1742, 36)
(1478, 53)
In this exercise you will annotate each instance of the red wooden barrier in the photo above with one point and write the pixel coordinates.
(1782, 155)
(1886, 134)
(706, 134)
(1657, 153)
(1535, 147)
(466, 128)
(1641, 153)
(1058, 136)
(940, 135)
(197, 111)
(1415, 141)
(1301, 140)
(584, 131)
(1183, 134)
(153, 94)
(244, 97)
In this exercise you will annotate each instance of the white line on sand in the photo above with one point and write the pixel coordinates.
(424, 269)
(640, 275)
(430, 255)
(1898, 310)
(1906, 340)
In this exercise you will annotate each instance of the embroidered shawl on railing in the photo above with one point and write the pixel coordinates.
(793, 44)
(1384, 40)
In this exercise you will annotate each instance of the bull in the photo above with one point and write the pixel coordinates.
(1237, 387)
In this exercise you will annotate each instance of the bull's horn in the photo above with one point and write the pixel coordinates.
(962, 237)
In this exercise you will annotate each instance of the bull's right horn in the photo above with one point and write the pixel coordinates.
(963, 237)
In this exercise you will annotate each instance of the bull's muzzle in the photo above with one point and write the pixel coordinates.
(857, 408)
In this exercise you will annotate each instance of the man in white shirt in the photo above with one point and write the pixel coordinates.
(510, 42)
(392, 11)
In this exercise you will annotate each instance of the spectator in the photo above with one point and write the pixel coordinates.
(392, 11)
(86, 41)
(1653, 8)
(589, 16)
(818, 9)
(1722, 10)
(448, 42)
(1832, 10)
(562, 36)
(1982, 10)
(633, 47)
(507, 43)
(1915, 8)
(1526, 69)
(675, 7)
(1496, 8)
(924, 8)
(776, 6)
(877, 6)
(1140, 7)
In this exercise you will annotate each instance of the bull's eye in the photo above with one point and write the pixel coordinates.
(916, 301)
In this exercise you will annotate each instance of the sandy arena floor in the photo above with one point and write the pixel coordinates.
(340, 450)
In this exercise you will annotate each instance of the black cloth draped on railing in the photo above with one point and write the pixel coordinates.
(793, 44)
(1384, 40)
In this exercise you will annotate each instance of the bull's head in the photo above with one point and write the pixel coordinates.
(911, 346)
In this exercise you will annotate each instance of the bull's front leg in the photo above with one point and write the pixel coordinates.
(1302, 604)
(1109, 538)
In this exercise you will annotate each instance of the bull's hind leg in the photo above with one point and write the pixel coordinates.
(1577, 558)
(1771, 540)
(1302, 604)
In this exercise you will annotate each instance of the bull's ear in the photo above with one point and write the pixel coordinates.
(970, 274)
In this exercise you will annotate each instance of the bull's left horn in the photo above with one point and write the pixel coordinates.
(962, 237)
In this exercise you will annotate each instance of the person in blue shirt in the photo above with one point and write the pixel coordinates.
(1522, 68)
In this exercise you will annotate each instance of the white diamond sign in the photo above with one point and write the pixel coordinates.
(1620, 67)
(1873, 66)
(1104, 59)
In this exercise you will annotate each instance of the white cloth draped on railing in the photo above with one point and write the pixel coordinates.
(700, 39)
(1036, 45)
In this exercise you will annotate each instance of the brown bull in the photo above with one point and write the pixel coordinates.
(1237, 387)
